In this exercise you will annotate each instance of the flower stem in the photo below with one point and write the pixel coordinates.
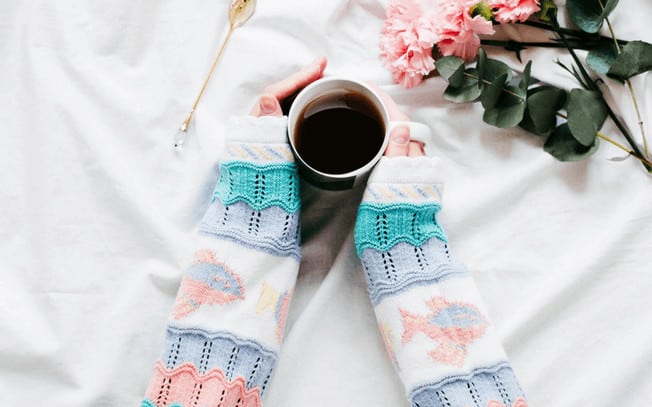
(629, 151)
(631, 94)
(625, 133)
(512, 45)
(573, 33)
(641, 125)
(625, 149)
(486, 82)
(591, 85)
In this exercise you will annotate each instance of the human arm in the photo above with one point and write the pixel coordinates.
(429, 311)
(226, 326)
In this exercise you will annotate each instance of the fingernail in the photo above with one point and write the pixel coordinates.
(267, 104)
(401, 136)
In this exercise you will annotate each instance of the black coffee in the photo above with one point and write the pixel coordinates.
(339, 132)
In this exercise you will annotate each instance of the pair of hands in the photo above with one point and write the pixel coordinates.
(269, 104)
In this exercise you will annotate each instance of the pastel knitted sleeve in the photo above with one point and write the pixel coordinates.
(226, 326)
(430, 315)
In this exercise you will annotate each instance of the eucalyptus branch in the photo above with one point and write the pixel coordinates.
(512, 45)
(518, 46)
(591, 85)
(589, 82)
(625, 133)
(486, 82)
(641, 125)
(509, 103)
(631, 94)
(645, 161)
(569, 32)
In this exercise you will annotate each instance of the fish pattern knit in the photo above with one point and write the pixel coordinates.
(226, 325)
(429, 312)
(227, 322)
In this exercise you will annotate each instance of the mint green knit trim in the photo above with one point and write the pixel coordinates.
(381, 226)
(259, 185)
(148, 403)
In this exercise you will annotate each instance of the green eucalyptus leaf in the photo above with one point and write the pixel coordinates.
(528, 125)
(509, 110)
(543, 103)
(452, 69)
(564, 146)
(602, 57)
(586, 115)
(482, 63)
(525, 78)
(493, 69)
(491, 93)
(634, 58)
(588, 15)
(469, 91)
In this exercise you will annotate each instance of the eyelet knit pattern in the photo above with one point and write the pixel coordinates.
(259, 185)
(383, 225)
(429, 312)
(238, 357)
(228, 320)
(481, 387)
(272, 230)
(405, 265)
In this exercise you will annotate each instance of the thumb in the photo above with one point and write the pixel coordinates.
(267, 105)
(399, 142)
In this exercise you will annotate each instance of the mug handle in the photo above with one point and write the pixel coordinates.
(418, 131)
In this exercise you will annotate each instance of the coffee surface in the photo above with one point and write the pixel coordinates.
(339, 132)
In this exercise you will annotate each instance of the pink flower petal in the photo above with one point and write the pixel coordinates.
(511, 11)
(458, 32)
(406, 42)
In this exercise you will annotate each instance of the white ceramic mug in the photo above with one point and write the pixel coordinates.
(324, 86)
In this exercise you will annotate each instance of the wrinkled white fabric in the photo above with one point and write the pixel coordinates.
(99, 214)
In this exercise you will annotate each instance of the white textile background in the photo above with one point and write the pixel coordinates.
(98, 215)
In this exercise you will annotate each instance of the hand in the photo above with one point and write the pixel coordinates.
(269, 103)
(399, 140)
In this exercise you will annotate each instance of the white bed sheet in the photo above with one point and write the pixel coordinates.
(99, 215)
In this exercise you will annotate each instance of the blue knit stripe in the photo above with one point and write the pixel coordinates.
(404, 265)
(477, 388)
(383, 225)
(259, 185)
(236, 357)
(272, 230)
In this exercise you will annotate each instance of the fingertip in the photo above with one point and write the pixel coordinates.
(321, 62)
(303, 77)
(399, 142)
(267, 105)
(318, 65)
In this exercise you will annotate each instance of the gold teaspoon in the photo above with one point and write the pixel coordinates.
(239, 12)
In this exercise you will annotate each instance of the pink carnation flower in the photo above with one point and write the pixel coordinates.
(406, 42)
(511, 11)
(457, 32)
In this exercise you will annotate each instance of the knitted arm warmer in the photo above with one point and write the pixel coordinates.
(227, 323)
(429, 312)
